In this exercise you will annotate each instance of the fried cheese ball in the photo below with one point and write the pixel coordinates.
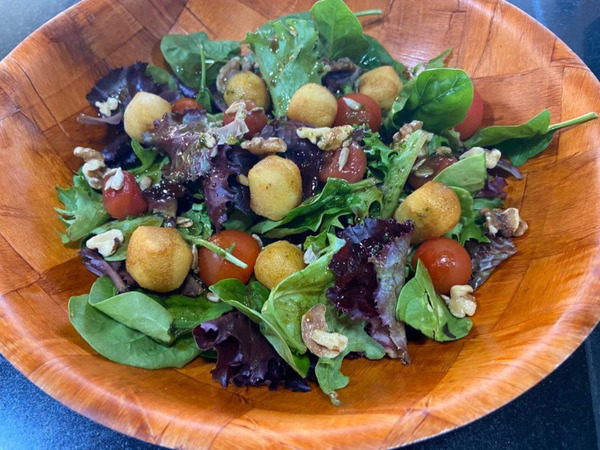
(434, 208)
(247, 86)
(275, 187)
(278, 261)
(381, 84)
(141, 112)
(158, 258)
(313, 104)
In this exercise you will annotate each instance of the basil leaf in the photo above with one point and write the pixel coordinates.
(183, 53)
(421, 308)
(469, 174)
(439, 98)
(83, 209)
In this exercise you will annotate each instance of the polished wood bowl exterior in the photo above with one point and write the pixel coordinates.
(533, 312)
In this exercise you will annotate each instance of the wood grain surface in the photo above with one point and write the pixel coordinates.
(533, 312)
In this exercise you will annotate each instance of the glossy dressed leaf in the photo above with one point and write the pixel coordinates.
(469, 174)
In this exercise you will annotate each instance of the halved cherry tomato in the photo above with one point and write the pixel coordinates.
(472, 122)
(447, 262)
(184, 105)
(126, 201)
(256, 119)
(436, 164)
(212, 268)
(358, 109)
(352, 169)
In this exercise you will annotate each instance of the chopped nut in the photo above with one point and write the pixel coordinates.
(491, 156)
(184, 222)
(407, 129)
(310, 256)
(344, 154)
(106, 243)
(260, 146)
(257, 238)
(194, 267)
(242, 179)
(107, 107)
(327, 139)
(93, 171)
(238, 108)
(461, 303)
(442, 150)
(212, 297)
(87, 154)
(317, 337)
(114, 179)
(145, 183)
(506, 222)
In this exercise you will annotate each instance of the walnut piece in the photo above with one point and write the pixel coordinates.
(260, 146)
(407, 129)
(106, 243)
(317, 337)
(107, 107)
(327, 139)
(114, 179)
(93, 168)
(461, 303)
(506, 222)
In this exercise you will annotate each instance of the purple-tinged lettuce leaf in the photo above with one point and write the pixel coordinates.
(245, 357)
(494, 188)
(94, 262)
(485, 257)
(370, 275)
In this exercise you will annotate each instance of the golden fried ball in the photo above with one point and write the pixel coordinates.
(434, 208)
(158, 258)
(247, 86)
(141, 112)
(381, 84)
(313, 104)
(278, 261)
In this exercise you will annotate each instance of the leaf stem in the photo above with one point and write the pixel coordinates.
(576, 121)
(227, 256)
(368, 12)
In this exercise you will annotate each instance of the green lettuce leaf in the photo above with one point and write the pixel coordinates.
(469, 174)
(468, 227)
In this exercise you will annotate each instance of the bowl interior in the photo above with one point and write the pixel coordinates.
(532, 313)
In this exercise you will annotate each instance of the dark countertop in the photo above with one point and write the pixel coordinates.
(563, 411)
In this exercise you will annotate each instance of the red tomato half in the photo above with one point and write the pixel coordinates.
(472, 122)
(184, 105)
(447, 262)
(212, 268)
(124, 202)
(353, 168)
(256, 119)
(358, 109)
(436, 164)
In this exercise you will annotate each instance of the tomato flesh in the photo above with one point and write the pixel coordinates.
(184, 105)
(447, 262)
(472, 122)
(126, 201)
(358, 109)
(436, 164)
(212, 268)
(352, 170)
(256, 119)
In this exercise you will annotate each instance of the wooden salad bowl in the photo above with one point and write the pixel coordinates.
(533, 312)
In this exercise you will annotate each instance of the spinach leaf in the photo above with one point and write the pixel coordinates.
(161, 76)
(83, 209)
(123, 345)
(127, 227)
(376, 55)
(285, 53)
(521, 142)
(439, 98)
(235, 293)
(467, 227)
(183, 52)
(338, 198)
(188, 312)
(421, 308)
(469, 174)
(151, 164)
(340, 32)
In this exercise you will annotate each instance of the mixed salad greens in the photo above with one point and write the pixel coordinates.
(201, 248)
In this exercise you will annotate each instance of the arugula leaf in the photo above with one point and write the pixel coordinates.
(524, 141)
(469, 174)
(467, 227)
(421, 308)
(285, 53)
(183, 53)
(127, 227)
(83, 209)
(439, 98)
(340, 32)
(323, 211)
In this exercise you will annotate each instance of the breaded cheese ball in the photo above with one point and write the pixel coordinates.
(247, 86)
(278, 261)
(381, 84)
(313, 104)
(158, 258)
(141, 112)
(434, 208)
(275, 187)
